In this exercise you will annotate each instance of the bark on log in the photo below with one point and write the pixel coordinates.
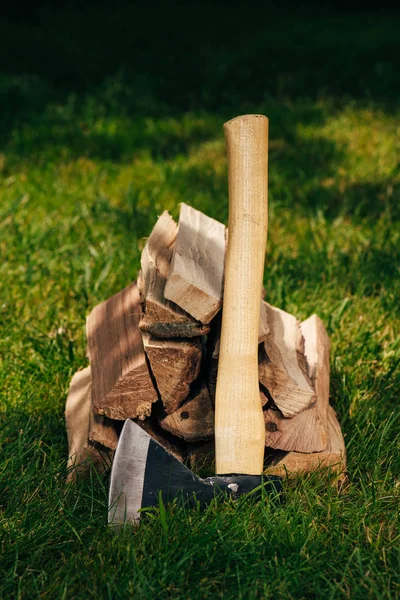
(162, 317)
(121, 384)
(175, 364)
(280, 370)
(194, 420)
(195, 279)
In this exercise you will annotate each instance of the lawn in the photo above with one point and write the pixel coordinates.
(108, 117)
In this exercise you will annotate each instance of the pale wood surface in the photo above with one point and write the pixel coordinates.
(121, 384)
(239, 422)
(334, 455)
(306, 431)
(162, 317)
(194, 420)
(196, 275)
(175, 363)
(174, 446)
(281, 369)
(81, 454)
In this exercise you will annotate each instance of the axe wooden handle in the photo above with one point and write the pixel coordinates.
(239, 423)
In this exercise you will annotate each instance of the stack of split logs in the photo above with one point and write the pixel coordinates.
(153, 351)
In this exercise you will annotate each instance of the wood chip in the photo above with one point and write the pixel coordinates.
(195, 281)
(280, 369)
(194, 420)
(121, 384)
(162, 317)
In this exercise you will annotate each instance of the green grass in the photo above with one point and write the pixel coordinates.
(109, 117)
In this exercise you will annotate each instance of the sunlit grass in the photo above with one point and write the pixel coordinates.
(84, 173)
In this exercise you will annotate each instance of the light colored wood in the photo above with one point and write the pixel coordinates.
(175, 363)
(334, 455)
(162, 317)
(81, 454)
(213, 349)
(121, 384)
(194, 420)
(282, 369)
(305, 432)
(196, 276)
(174, 446)
(239, 422)
(316, 352)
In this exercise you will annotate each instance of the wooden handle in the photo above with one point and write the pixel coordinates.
(239, 422)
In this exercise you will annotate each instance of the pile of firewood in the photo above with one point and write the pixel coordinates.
(153, 351)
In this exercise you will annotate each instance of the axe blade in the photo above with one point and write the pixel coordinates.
(142, 470)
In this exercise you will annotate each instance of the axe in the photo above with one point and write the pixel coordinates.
(143, 470)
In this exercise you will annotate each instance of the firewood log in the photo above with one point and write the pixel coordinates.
(282, 368)
(175, 363)
(195, 280)
(194, 420)
(82, 454)
(121, 383)
(333, 456)
(162, 317)
(174, 445)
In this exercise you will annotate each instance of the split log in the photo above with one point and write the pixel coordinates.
(162, 317)
(282, 368)
(307, 431)
(174, 446)
(194, 420)
(175, 363)
(81, 453)
(121, 384)
(195, 280)
(333, 456)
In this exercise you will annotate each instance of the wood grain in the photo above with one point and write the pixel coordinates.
(162, 317)
(239, 422)
(196, 275)
(121, 384)
(194, 420)
(81, 454)
(174, 446)
(281, 369)
(175, 363)
(333, 456)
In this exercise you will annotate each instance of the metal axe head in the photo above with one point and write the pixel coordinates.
(143, 470)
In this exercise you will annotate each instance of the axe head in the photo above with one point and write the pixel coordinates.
(142, 471)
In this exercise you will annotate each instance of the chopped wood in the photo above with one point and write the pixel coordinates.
(280, 370)
(104, 431)
(175, 363)
(304, 432)
(162, 318)
(333, 456)
(174, 446)
(195, 280)
(121, 383)
(194, 420)
(316, 351)
(81, 453)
